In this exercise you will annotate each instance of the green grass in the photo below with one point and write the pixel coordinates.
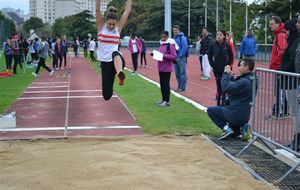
(12, 87)
(180, 118)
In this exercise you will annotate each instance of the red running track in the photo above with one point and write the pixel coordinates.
(50, 104)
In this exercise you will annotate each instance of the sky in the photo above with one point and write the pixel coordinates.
(24, 4)
(17, 4)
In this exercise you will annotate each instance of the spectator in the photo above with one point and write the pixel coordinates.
(43, 51)
(7, 54)
(279, 109)
(59, 52)
(32, 52)
(294, 94)
(135, 46)
(198, 50)
(231, 44)
(64, 45)
(54, 56)
(15, 52)
(239, 92)
(165, 68)
(76, 46)
(85, 44)
(248, 46)
(205, 45)
(92, 48)
(25, 50)
(219, 56)
(180, 66)
(143, 52)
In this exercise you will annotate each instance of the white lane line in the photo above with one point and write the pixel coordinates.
(69, 128)
(195, 104)
(55, 91)
(60, 97)
(49, 82)
(48, 87)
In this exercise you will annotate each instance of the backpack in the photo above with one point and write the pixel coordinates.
(188, 47)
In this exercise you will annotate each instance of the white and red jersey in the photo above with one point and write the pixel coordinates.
(108, 42)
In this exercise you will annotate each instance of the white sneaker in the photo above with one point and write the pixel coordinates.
(34, 74)
(51, 73)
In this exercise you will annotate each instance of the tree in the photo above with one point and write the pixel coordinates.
(81, 25)
(7, 27)
(59, 28)
(33, 23)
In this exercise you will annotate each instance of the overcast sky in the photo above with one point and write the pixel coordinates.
(24, 4)
(17, 4)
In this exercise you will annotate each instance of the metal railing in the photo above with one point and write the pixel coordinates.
(263, 52)
(276, 112)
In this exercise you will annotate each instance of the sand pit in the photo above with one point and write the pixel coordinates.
(158, 163)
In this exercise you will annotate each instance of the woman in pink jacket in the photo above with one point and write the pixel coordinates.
(165, 67)
(135, 47)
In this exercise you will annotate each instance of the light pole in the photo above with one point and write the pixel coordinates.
(246, 16)
(230, 16)
(205, 4)
(290, 9)
(168, 20)
(217, 16)
(189, 19)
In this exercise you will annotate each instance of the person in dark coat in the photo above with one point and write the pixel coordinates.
(239, 92)
(220, 55)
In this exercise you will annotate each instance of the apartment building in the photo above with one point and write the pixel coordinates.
(49, 10)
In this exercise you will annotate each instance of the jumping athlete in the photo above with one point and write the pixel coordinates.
(112, 61)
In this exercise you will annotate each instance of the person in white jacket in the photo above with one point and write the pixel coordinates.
(92, 48)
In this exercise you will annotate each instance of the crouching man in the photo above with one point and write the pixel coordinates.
(236, 114)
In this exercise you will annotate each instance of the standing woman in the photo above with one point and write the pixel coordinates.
(7, 54)
(59, 52)
(165, 67)
(135, 47)
(112, 61)
(220, 55)
(76, 46)
(231, 43)
(64, 45)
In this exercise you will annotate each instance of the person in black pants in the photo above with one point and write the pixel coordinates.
(165, 67)
(135, 46)
(7, 54)
(143, 52)
(43, 51)
(220, 55)
(15, 52)
(108, 73)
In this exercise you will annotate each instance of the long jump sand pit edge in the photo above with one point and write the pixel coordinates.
(146, 162)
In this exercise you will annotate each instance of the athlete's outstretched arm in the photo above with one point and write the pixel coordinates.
(125, 15)
(99, 18)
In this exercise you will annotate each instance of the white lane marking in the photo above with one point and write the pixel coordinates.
(60, 97)
(48, 87)
(69, 128)
(55, 91)
(49, 82)
(195, 104)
